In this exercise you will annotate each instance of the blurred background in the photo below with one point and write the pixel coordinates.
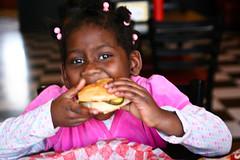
(29, 55)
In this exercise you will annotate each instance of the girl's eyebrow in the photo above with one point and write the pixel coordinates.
(74, 51)
(77, 50)
(104, 45)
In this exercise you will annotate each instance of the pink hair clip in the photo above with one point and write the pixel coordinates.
(57, 31)
(126, 23)
(59, 36)
(134, 37)
(106, 6)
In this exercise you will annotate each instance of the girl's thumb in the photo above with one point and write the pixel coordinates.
(74, 90)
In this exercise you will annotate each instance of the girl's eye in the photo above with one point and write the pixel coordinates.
(104, 56)
(78, 61)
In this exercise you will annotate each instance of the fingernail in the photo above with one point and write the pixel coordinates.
(95, 112)
(109, 85)
(110, 89)
(78, 110)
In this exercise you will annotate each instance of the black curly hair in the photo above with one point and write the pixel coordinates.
(118, 20)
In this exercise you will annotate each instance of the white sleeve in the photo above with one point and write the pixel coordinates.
(205, 133)
(25, 134)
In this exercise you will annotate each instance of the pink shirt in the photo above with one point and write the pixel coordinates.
(124, 125)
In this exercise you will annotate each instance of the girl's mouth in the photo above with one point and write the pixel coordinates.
(92, 78)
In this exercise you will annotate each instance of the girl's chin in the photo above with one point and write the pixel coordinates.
(103, 117)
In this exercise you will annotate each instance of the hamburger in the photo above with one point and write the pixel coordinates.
(96, 96)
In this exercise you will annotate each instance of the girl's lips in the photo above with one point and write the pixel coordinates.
(90, 80)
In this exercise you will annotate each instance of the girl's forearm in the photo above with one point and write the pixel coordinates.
(169, 123)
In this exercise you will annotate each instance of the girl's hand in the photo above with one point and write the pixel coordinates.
(66, 111)
(145, 108)
(142, 104)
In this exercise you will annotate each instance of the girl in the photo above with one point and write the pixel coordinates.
(99, 42)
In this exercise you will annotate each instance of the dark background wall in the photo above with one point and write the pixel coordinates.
(8, 4)
(37, 15)
(230, 10)
(227, 11)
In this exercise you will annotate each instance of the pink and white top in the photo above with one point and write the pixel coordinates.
(124, 125)
(205, 133)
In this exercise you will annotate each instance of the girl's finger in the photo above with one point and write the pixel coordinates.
(133, 97)
(122, 81)
(128, 84)
(128, 88)
(78, 114)
(71, 93)
(77, 121)
(79, 109)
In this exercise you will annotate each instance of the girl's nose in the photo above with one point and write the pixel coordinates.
(90, 69)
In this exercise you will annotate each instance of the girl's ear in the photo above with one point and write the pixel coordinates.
(64, 79)
(135, 63)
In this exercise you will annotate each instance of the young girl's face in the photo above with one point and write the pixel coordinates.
(93, 53)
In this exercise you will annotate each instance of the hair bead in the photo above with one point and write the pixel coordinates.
(59, 36)
(106, 6)
(58, 33)
(126, 23)
(134, 37)
(57, 30)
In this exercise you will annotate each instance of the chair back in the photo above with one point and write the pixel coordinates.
(195, 90)
(183, 51)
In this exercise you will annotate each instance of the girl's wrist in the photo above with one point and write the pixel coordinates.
(157, 123)
(168, 123)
